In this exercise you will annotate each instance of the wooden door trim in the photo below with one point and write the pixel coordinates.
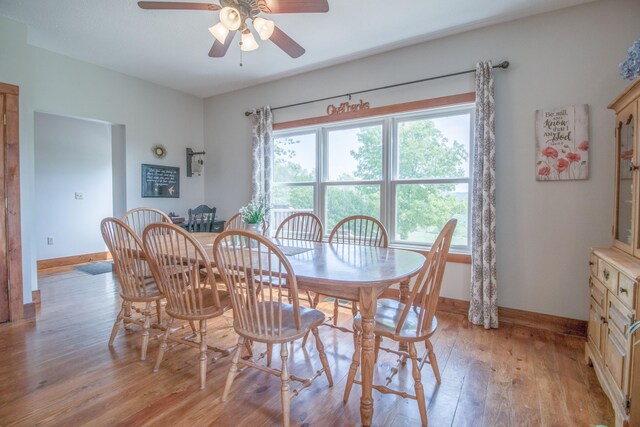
(12, 183)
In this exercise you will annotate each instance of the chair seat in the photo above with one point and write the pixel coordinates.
(309, 318)
(208, 309)
(388, 317)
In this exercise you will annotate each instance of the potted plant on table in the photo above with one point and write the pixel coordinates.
(254, 214)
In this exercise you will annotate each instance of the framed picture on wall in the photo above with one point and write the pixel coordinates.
(160, 181)
(562, 143)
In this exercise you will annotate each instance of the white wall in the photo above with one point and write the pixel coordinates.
(71, 156)
(544, 229)
(152, 114)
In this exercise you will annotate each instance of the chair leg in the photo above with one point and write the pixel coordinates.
(249, 346)
(323, 356)
(116, 325)
(335, 312)
(377, 348)
(284, 389)
(159, 312)
(193, 326)
(145, 331)
(304, 340)
(432, 360)
(355, 362)
(163, 345)
(316, 300)
(417, 383)
(233, 371)
(269, 354)
(203, 353)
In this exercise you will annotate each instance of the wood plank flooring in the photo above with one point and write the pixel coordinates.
(59, 371)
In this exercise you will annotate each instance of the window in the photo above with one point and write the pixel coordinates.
(412, 171)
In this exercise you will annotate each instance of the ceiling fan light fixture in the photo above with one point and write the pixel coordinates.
(264, 27)
(220, 32)
(230, 18)
(248, 42)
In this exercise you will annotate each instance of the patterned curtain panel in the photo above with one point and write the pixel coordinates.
(483, 307)
(262, 154)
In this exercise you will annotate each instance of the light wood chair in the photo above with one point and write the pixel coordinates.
(236, 223)
(301, 226)
(136, 286)
(253, 269)
(357, 230)
(408, 323)
(139, 218)
(183, 270)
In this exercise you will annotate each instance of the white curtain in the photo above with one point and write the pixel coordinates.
(262, 154)
(483, 306)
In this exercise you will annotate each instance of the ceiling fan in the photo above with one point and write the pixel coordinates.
(234, 15)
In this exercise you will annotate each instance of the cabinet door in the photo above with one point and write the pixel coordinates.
(626, 160)
(596, 329)
(616, 360)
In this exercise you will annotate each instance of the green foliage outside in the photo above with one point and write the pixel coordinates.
(422, 209)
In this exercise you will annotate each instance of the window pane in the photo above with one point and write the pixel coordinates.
(346, 200)
(286, 201)
(423, 209)
(294, 158)
(434, 148)
(354, 154)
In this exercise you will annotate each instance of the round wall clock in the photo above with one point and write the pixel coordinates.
(159, 151)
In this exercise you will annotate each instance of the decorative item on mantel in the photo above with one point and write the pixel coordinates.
(630, 68)
(254, 214)
(562, 143)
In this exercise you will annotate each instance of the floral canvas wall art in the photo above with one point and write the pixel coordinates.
(562, 143)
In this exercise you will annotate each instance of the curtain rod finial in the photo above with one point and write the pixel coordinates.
(503, 64)
(247, 113)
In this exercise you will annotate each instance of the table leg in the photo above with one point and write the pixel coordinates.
(404, 297)
(368, 306)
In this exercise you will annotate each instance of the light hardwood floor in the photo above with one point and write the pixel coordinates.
(60, 371)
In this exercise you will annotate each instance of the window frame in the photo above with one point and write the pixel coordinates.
(390, 162)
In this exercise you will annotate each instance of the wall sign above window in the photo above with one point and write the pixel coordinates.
(345, 107)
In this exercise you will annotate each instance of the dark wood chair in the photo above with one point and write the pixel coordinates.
(183, 271)
(201, 219)
(409, 322)
(132, 271)
(254, 269)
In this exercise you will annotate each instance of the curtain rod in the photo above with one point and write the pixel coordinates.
(503, 65)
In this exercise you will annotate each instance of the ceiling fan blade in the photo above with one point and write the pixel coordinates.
(177, 5)
(218, 50)
(293, 6)
(286, 43)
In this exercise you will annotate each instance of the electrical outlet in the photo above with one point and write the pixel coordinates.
(49, 240)
(79, 196)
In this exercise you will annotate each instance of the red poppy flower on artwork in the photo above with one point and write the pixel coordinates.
(573, 157)
(544, 171)
(584, 146)
(550, 152)
(561, 165)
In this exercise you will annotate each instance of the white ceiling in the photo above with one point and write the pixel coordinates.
(171, 47)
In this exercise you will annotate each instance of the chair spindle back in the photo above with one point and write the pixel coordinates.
(425, 291)
(129, 259)
(360, 230)
(300, 226)
(139, 218)
(176, 260)
(255, 270)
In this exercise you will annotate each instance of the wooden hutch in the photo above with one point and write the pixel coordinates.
(615, 273)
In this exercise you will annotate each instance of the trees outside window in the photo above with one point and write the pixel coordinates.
(410, 171)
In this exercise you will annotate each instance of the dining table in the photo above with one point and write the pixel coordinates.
(353, 272)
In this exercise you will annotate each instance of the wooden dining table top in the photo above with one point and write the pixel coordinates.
(326, 263)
